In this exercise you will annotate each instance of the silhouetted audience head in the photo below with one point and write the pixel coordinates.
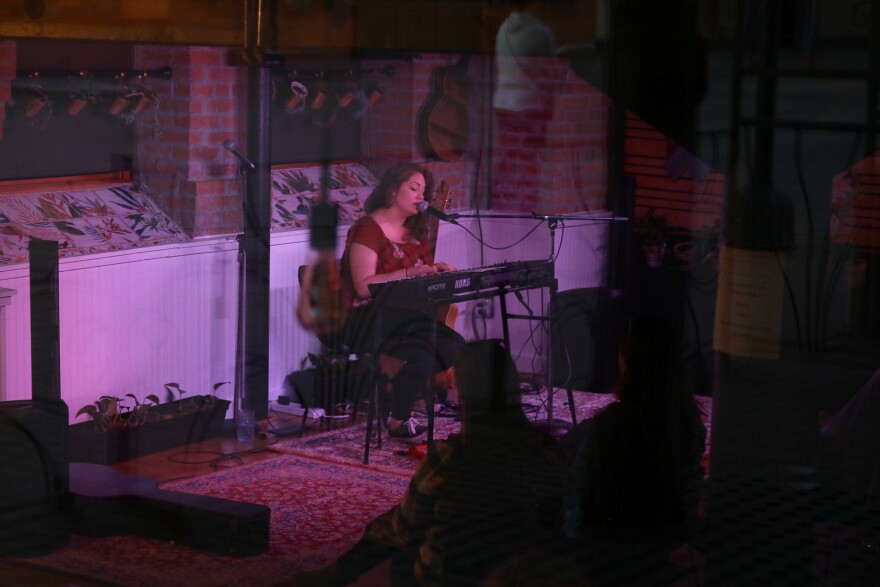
(650, 363)
(503, 479)
(487, 381)
(637, 473)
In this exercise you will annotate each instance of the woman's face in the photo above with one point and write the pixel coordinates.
(409, 194)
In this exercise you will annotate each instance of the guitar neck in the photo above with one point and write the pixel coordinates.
(441, 202)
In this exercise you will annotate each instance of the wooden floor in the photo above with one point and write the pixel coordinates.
(178, 463)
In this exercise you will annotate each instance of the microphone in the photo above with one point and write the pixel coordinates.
(429, 209)
(230, 146)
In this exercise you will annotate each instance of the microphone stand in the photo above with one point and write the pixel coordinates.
(238, 388)
(553, 221)
(239, 395)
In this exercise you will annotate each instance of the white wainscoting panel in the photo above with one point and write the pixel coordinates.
(17, 343)
(580, 262)
(134, 320)
(288, 340)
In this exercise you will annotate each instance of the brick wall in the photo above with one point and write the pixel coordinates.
(566, 174)
(552, 159)
(670, 181)
(179, 153)
(7, 74)
(575, 159)
(390, 131)
(389, 126)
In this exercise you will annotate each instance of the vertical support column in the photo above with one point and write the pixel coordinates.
(765, 103)
(45, 335)
(872, 118)
(865, 308)
(257, 218)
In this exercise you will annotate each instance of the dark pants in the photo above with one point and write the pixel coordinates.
(405, 335)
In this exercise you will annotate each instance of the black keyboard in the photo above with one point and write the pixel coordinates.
(465, 284)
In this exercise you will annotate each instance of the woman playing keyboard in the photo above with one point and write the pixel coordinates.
(391, 242)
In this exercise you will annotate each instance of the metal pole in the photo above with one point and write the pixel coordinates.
(257, 218)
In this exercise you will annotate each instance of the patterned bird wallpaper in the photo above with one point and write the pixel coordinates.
(117, 217)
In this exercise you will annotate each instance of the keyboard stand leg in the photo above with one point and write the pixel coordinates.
(373, 403)
(431, 385)
(502, 302)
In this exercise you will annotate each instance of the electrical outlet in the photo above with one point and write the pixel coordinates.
(484, 308)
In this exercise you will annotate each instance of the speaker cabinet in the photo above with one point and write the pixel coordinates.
(586, 334)
(106, 502)
(34, 473)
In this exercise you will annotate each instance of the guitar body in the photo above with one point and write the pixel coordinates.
(443, 124)
(447, 313)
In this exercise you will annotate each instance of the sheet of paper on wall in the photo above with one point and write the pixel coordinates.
(748, 307)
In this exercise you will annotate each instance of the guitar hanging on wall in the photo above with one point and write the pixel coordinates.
(443, 124)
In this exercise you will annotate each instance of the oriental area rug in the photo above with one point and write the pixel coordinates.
(320, 495)
(319, 510)
(344, 443)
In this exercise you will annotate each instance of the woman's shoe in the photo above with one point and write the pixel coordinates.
(408, 429)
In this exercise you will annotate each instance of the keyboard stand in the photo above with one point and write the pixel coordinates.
(534, 275)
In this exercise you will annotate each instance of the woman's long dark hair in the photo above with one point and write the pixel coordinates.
(651, 355)
(658, 417)
(489, 391)
(392, 180)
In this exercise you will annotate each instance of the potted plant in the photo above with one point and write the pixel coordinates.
(110, 411)
(654, 231)
(124, 428)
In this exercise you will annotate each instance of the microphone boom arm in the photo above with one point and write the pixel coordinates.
(554, 218)
(246, 163)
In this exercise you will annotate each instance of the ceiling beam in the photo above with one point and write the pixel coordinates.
(293, 25)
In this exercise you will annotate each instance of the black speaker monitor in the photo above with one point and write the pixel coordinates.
(45, 345)
(33, 466)
(586, 335)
